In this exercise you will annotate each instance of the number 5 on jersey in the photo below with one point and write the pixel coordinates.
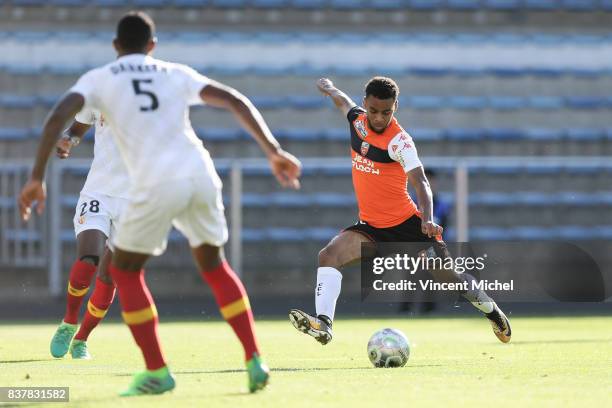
(137, 85)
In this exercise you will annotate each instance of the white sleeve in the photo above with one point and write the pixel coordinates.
(402, 150)
(86, 116)
(194, 83)
(86, 86)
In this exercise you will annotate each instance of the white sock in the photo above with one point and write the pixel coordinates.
(329, 282)
(478, 298)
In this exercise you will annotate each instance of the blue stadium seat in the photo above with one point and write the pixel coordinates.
(253, 235)
(289, 200)
(463, 4)
(229, 3)
(542, 170)
(219, 134)
(547, 39)
(22, 235)
(603, 198)
(301, 134)
(389, 4)
(28, 2)
(333, 200)
(506, 72)
(464, 135)
(8, 133)
(274, 38)
(545, 102)
(269, 101)
(489, 234)
(584, 134)
(342, 134)
(429, 71)
(506, 103)
(579, 5)
(468, 72)
(467, 102)
(25, 69)
(347, 4)
(69, 3)
(309, 4)
(191, 3)
(17, 101)
(542, 134)
(270, 3)
(541, 4)
(510, 5)
(501, 134)
(426, 4)
(48, 100)
(574, 198)
(533, 198)
(150, 3)
(584, 102)
(606, 5)
(426, 134)
(109, 3)
(572, 232)
(285, 234)
(581, 170)
(423, 102)
(530, 233)
(489, 199)
(546, 72)
(8, 203)
(307, 101)
(603, 232)
(580, 72)
(69, 200)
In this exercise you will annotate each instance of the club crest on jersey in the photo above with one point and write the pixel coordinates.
(360, 127)
(81, 220)
(365, 146)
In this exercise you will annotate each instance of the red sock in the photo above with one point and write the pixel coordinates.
(81, 274)
(98, 305)
(139, 313)
(234, 304)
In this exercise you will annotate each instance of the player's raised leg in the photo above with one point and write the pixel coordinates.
(140, 314)
(90, 247)
(233, 302)
(97, 307)
(341, 251)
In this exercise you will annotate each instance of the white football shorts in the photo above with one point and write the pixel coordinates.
(98, 211)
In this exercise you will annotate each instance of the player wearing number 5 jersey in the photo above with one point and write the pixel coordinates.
(384, 160)
(173, 182)
(99, 207)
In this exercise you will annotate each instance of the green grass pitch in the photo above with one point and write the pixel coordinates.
(562, 361)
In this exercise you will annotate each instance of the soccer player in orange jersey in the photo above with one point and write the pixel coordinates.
(384, 159)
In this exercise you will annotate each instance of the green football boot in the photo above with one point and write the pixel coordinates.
(150, 382)
(259, 373)
(60, 343)
(79, 351)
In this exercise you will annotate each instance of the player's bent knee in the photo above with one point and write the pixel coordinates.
(328, 257)
(90, 259)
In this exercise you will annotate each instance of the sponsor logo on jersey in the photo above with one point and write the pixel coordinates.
(365, 165)
(365, 146)
(394, 148)
(360, 127)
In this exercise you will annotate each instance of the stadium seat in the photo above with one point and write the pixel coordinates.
(584, 134)
(426, 134)
(545, 102)
(466, 102)
(464, 135)
(268, 4)
(422, 102)
(309, 4)
(219, 134)
(388, 4)
(17, 101)
(347, 4)
(229, 3)
(463, 4)
(69, 3)
(584, 102)
(505, 5)
(112, 3)
(150, 3)
(8, 203)
(579, 5)
(546, 5)
(501, 134)
(506, 102)
(542, 134)
(426, 4)
(7, 134)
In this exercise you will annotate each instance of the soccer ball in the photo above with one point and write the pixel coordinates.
(389, 348)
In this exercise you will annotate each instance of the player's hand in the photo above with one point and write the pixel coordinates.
(326, 86)
(286, 168)
(33, 191)
(63, 147)
(431, 229)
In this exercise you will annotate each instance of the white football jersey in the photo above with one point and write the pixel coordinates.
(107, 174)
(145, 102)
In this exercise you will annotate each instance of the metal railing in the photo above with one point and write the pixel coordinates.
(39, 243)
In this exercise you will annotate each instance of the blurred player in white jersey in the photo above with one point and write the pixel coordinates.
(173, 182)
(100, 204)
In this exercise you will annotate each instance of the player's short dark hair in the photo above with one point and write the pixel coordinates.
(382, 88)
(135, 30)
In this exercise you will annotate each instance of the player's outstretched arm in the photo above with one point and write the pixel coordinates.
(285, 167)
(71, 138)
(341, 100)
(34, 190)
(419, 182)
